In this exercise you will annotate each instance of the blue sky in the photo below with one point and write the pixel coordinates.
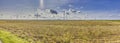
(93, 7)
(86, 4)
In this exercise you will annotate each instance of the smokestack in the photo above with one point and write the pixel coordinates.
(41, 4)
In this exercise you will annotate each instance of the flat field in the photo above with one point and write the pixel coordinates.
(64, 31)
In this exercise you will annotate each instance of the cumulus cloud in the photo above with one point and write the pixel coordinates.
(103, 15)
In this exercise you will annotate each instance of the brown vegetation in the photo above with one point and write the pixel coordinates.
(64, 31)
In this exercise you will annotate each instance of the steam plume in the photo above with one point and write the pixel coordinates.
(41, 4)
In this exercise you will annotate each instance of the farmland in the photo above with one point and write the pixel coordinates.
(64, 31)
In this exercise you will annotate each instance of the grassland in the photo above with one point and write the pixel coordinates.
(7, 37)
(64, 31)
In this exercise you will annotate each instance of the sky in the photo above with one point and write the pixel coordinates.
(95, 8)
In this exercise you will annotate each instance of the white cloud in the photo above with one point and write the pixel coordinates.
(102, 14)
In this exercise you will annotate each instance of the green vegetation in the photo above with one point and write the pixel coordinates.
(7, 37)
(64, 31)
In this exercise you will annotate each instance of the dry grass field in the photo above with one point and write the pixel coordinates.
(64, 31)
